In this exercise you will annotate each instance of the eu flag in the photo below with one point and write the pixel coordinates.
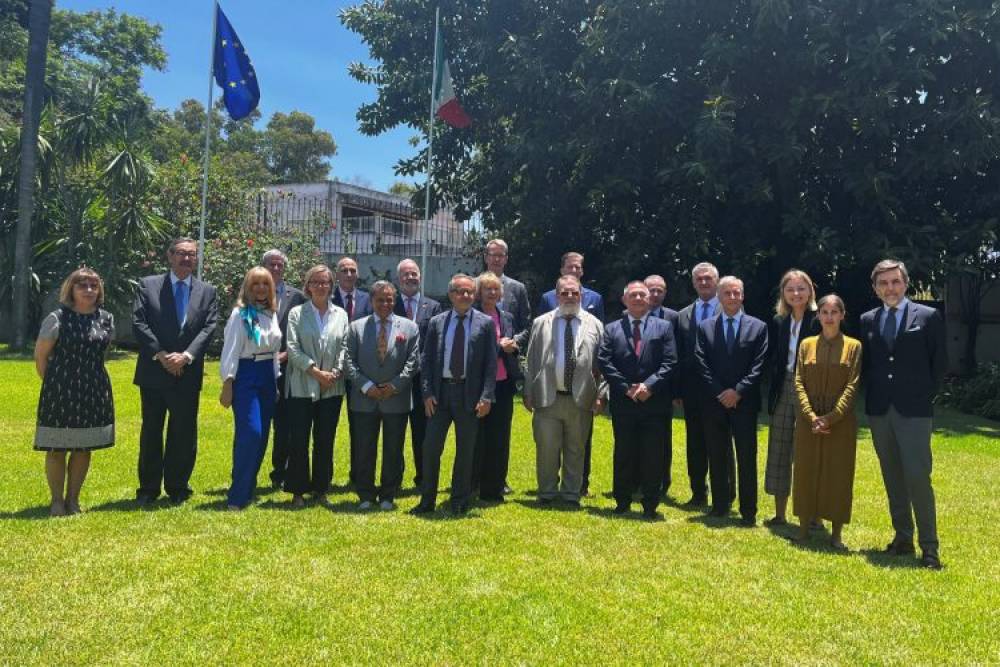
(233, 70)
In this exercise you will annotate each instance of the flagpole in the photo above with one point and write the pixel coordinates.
(208, 143)
(430, 148)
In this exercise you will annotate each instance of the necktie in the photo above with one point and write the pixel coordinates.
(457, 362)
(730, 334)
(383, 340)
(889, 328)
(409, 307)
(636, 337)
(349, 300)
(704, 311)
(569, 354)
(180, 301)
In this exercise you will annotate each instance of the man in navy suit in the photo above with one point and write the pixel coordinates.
(687, 381)
(173, 319)
(593, 303)
(458, 372)
(903, 361)
(572, 265)
(637, 356)
(413, 305)
(358, 304)
(288, 297)
(657, 287)
(731, 351)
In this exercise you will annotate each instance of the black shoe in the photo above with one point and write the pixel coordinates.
(697, 501)
(719, 512)
(650, 513)
(573, 503)
(180, 499)
(492, 499)
(930, 560)
(748, 521)
(900, 548)
(545, 502)
(460, 509)
(775, 521)
(422, 508)
(144, 500)
(621, 508)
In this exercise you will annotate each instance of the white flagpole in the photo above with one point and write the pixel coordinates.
(208, 143)
(430, 149)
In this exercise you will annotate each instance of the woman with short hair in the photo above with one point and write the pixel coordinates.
(76, 411)
(249, 370)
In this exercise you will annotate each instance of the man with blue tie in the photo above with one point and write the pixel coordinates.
(458, 372)
(173, 319)
(904, 359)
(637, 356)
(731, 351)
(687, 380)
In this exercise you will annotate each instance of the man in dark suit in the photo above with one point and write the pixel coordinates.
(903, 361)
(637, 356)
(288, 297)
(657, 287)
(458, 373)
(731, 352)
(358, 304)
(515, 295)
(572, 265)
(173, 319)
(413, 305)
(591, 302)
(382, 359)
(687, 381)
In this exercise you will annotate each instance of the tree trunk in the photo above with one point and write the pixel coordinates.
(39, 17)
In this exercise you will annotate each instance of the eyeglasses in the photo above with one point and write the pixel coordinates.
(464, 292)
(88, 285)
(186, 254)
(569, 293)
(496, 255)
(320, 283)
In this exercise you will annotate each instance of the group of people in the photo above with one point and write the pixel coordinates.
(403, 360)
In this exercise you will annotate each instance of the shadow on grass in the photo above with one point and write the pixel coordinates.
(554, 506)
(130, 505)
(879, 558)
(29, 513)
(718, 522)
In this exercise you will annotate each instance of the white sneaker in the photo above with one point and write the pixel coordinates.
(366, 505)
(387, 505)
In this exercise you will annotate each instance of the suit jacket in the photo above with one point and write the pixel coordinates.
(362, 303)
(540, 382)
(740, 370)
(480, 360)
(515, 302)
(592, 302)
(307, 346)
(424, 311)
(293, 297)
(510, 361)
(155, 327)
(906, 377)
(778, 334)
(653, 367)
(398, 368)
(687, 380)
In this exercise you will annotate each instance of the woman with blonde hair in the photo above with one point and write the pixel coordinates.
(249, 369)
(793, 321)
(314, 388)
(826, 431)
(76, 411)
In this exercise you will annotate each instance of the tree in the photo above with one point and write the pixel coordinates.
(756, 133)
(295, 151)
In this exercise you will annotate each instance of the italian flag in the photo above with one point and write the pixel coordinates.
(446, 106)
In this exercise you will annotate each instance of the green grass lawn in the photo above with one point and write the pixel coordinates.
(512, 584)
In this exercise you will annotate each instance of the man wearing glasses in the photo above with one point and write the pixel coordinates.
(173, 319)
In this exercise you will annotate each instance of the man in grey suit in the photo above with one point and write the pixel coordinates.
(515, 295)
(903, 361)
(382, 359)
(561, 388)
(458, 371)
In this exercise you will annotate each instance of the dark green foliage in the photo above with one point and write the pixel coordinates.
(975, 395)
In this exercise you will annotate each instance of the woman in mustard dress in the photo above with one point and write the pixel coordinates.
(826, 381)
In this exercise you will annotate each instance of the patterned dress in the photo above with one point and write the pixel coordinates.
(76, 410)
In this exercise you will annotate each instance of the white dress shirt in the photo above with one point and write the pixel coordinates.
(238, 345)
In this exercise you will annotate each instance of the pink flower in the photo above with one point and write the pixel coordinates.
(400, 338)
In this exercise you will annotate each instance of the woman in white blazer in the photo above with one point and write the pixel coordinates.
(317, 337)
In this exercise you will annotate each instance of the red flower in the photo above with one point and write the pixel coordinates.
(249, 243)
(400, 338)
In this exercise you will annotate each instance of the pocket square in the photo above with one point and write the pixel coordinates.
(916, 328)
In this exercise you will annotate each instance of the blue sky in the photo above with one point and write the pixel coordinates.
(300, 52)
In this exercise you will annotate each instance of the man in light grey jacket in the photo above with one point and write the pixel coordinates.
(382, 358)
(562, 388)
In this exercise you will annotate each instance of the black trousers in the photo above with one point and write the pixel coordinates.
(418, 428)
(638, 457)
(319, 420)
(450, 408)
(366, 427)
(724, 430)
(697, 451)
(280, 433)
(492, 457)
(169, 463)
(352, 470)
(668, 454)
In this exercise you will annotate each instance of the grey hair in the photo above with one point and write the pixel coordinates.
(399, 266)
(271, 254)
(704, 266)
(455, 278)
(726, 280)
(635, 282)
(499, 242)
(380, 286)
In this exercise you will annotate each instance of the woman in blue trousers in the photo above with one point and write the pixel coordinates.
(249, 369)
